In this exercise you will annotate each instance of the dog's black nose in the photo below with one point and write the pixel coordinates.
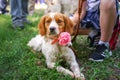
(52, 29)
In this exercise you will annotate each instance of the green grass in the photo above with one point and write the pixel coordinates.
(18, 62)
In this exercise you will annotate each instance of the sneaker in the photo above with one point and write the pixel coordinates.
(6, 12)
(25, 21)
(100, 53)
(18, 24)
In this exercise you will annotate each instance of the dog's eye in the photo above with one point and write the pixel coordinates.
(59, 21)
(48, 21)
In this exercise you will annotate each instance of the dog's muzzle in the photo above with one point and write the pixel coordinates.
(52, 30)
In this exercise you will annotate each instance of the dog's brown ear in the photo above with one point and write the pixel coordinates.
(41, 26)
(68, 25)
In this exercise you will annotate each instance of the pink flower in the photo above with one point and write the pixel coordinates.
(64, 39)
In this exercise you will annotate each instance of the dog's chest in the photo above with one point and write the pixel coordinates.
(48, 48)
(55, 51)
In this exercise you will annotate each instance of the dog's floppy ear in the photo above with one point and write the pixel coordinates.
(68, 24)
(41, 26)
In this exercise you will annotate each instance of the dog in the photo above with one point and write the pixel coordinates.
(50, 26)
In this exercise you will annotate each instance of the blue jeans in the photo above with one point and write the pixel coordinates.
(19, 10)
(3, 4)
(42, 1)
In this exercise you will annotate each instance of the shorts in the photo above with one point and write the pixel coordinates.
(91, 20)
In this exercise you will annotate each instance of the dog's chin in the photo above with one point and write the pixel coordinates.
(52, 36)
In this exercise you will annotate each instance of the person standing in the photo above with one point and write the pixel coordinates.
(19, 12)
(3, 5)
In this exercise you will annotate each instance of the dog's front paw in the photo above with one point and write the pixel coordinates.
(80, 77)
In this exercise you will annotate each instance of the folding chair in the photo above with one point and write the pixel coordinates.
(93, 36)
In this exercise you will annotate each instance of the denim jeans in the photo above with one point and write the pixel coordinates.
(19, 10)
(3, 4)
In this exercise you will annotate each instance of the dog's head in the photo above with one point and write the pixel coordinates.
(53, 24)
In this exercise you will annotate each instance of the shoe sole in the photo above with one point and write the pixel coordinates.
(100, 60)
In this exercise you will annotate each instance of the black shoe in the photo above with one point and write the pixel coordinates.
(25, 21)
(5, 12)
(100, 53)
(18, 24)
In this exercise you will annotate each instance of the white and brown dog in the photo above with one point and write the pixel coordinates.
(50, 26)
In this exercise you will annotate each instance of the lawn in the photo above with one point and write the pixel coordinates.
(19, 62)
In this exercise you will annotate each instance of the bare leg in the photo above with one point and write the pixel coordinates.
(82, 15)
(107, 19)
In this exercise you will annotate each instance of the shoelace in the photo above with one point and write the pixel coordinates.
(100, 48)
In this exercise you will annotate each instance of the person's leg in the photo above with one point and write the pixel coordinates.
(24, 4)
(42, 2)
(16, 13)
(25, 11)
(107, 19)
(4, 6)
(24, 7)
(108, 16)
(0, 6)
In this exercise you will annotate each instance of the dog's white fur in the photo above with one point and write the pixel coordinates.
(52, 52)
